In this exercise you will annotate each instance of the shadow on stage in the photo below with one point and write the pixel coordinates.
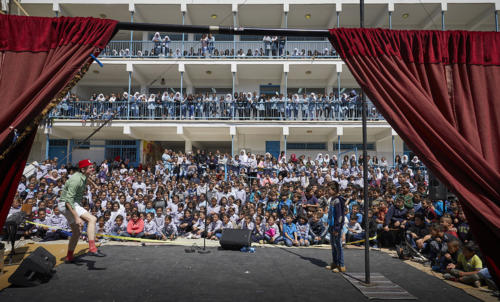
(315, 261)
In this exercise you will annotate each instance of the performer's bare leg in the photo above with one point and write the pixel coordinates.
(91, 221)
(75, 235)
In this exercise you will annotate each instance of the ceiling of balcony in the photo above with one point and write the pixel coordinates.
(477, 16)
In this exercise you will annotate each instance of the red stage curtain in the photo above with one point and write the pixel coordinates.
(439, 91)
(40, 60)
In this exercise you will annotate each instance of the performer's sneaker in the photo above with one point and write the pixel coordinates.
(342, 269)
(96, 254)
(336, 270)
(331, 266)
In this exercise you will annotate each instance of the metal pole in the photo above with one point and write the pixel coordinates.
(234, 80)
(285, 145)
(129, 91)
(442, 20)
(234, 39)
(286, 38)
(285, 89)
(47, 145)
(226, 30)
(338, 94)
(183, 20)
(496, 20)
(365, 164)
(232, 145)
(338, 19)
(393, 151)
(182, 96)
(390, 20)
(130, 72)
(338, 151)
(131, 36)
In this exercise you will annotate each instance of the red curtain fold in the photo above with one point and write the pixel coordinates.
(437, 89)
(40, 59)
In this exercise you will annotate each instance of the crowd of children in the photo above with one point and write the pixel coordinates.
(278, 206)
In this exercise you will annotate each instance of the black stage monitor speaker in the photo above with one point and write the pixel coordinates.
(437, 190)
(36, 269)
(235, 239)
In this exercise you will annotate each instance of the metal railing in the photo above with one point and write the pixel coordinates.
(222, 49)
(213, 110)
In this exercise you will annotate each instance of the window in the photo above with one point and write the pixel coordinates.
(58, 142)
(125, 149)
(218, 91)
(306, 146)
(269, 89)
(349, 146)
(308, 91)
(81, 144)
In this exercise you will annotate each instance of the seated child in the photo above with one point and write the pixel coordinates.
(215, 226)
(450, 258)
(467, 268)
(272, 231)
(169, 230)
(118, 228)
(354, 230)
(150, 228)
(317, 230)
(303, 231)
(135, 227)
(290, 232)
(258, 231)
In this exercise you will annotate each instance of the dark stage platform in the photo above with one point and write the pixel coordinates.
(167, 273)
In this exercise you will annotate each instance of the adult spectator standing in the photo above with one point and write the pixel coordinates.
(267, 45)
(71, 207)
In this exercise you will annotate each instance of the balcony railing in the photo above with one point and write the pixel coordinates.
(278, 111)
(222, 49)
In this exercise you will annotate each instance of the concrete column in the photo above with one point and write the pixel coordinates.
(340, 132)
(496, 20)
(444, 8)
(338, 8)
(47, 144)
(283, 144)
(188, 146)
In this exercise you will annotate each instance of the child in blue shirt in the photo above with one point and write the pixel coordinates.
(290, 232)
(272, 204)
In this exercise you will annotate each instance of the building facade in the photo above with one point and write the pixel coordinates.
(293, 94)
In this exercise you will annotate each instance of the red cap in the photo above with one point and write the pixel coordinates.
(84, 163)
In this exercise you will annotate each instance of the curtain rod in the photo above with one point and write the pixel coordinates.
(228, 30)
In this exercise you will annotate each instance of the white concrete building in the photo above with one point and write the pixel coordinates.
(132, 63)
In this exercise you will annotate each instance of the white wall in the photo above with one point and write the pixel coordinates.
(94, 153)
(37, 152)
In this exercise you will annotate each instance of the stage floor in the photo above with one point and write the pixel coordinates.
(168, 273)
